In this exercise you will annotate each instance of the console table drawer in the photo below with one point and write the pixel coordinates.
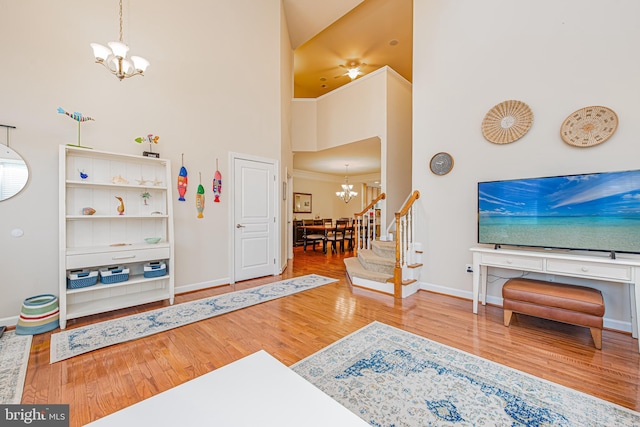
(620, 273)
(509, 261)
(118, 257)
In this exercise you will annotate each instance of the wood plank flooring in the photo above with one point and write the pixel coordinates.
(292, 328)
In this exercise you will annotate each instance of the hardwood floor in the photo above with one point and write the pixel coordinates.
(292, 328)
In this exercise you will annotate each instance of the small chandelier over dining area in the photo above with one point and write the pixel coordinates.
(114, 57)
(347, 192)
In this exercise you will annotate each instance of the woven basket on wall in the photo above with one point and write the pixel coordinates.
(589, 126)
(507, 122)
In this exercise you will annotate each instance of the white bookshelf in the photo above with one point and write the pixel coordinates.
(108, 239)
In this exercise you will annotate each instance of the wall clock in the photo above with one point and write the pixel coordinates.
(507, 122)
(441, 163)
(589, 126)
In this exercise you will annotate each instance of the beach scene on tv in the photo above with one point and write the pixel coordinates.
(599, 211)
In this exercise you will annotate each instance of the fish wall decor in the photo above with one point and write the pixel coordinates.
(217, 184)
(182, 181)
(200, 198)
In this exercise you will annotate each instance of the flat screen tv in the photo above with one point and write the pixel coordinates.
(595, 211)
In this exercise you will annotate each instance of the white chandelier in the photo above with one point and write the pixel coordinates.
(347, 192)
(114, 57)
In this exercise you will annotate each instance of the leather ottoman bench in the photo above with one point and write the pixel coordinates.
(577, 305)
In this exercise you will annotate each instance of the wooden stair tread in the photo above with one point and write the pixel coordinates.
(415, 265)
(370, 256)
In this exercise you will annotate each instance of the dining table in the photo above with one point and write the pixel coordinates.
(321, 229)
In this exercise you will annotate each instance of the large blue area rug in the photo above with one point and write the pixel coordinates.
(390, 377)
(81, 340)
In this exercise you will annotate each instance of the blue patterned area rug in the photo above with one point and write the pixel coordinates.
(81, 340)
(390, 377)
(14, 358)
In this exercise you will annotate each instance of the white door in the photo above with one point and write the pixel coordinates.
(254, 218)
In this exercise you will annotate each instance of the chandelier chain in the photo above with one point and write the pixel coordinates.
(120, 21)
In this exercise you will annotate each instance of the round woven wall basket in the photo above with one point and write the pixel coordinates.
(507, 122)
(589, 126)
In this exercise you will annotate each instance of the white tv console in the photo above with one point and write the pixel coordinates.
(619, 270)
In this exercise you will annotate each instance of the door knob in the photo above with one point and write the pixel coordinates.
(239, 226)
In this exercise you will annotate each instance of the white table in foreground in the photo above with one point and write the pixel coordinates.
(601, 268)
(256, 390)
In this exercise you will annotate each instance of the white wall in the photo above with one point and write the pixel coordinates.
(555, 56)
(353, 112)
(397, 172)
(214, 86)
(324, 203)
(376, 105)
(286, 151)
(304, 124)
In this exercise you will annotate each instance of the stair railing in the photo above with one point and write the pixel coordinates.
(365, 225)
(404, 241)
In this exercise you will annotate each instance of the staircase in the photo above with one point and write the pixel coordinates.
(374, 269)
(391, 267)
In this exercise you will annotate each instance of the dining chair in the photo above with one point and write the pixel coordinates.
(328, 222)
(337, 235)
(310, 236)
(348, 236)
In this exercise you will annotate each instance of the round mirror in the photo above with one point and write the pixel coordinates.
(13, 173)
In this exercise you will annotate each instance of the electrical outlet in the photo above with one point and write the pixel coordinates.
(468, 268)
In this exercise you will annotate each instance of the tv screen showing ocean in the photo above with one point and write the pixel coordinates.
(599, 211)
(594, 233)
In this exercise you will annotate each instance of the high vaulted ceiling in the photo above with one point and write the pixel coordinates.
(329, 34)
(374, 32)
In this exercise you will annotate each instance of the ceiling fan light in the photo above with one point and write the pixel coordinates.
(353, 73)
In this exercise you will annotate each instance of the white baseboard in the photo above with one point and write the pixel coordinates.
(9, 321)
(616, 325)
(446, 291)
(203, 285)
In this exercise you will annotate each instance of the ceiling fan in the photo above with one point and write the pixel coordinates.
(354, 69)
